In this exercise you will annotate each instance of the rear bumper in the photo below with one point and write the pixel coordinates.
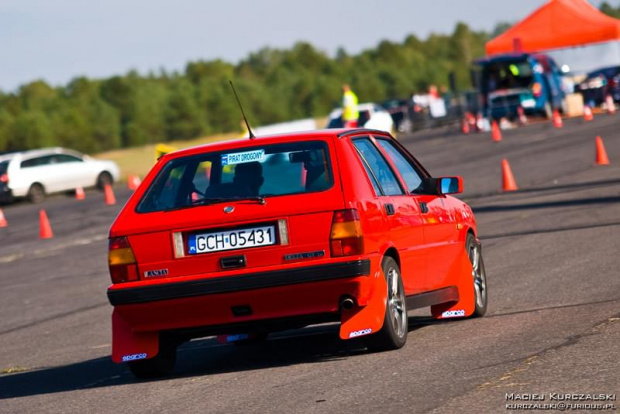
(248, 303)
(251, 281)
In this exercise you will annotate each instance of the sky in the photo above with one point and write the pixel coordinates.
(61, 39)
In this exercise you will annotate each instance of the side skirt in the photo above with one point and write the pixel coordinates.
(435, 297)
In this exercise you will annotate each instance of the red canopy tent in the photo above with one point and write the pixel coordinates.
(556, 25)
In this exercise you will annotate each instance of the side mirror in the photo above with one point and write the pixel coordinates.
(450, 185)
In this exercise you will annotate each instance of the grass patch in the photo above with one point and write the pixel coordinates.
(139, 160)
(13, 370)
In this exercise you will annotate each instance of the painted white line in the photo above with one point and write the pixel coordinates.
(45, 252)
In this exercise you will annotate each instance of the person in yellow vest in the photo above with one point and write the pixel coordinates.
(350, 114)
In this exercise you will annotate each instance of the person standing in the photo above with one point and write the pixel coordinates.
(350, 113)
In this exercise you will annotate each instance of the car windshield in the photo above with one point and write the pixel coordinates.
(507, 75)
(246, 173)
(4, 165)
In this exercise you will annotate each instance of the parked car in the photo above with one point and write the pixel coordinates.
(247, 237)
(371, 116)
(34, 174)
(409, 116)
(600, 83)
(530, 81)
(401, 111)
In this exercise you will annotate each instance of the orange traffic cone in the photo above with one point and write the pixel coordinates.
(133, 182)
(109, 195)
(557, 119)
(601, 154)
(587, 113)
(45, 230)
(611, 106)
(79, 194)
(465, 126)
(3, 222)
(496, 133)
(509, 183)
(522, 117)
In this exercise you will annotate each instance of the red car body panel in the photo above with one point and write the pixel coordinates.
(196, 293)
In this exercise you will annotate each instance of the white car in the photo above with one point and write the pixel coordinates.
(34, 174)
(372, 116)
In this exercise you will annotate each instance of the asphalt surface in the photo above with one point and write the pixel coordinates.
(552, 254)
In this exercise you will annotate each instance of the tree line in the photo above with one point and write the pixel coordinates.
(274, 85)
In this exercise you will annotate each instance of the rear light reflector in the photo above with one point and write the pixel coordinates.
(346, 237)
(283, 232)
(121, 261)
(4, 178)
(177, 242)
(536, 89)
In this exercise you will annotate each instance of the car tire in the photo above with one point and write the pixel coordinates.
(36, 193)
(103, 179)
(159, 366)
(393, 334)
(474, 252)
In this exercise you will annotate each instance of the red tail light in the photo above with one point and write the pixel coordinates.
(4, 178)
(346, 234)
(536, 89)
(121, 261)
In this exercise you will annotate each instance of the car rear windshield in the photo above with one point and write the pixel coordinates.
(254, 172)
(4, 165)
(507, 75)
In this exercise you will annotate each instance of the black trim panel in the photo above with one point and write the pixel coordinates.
(435, 297)
(177, 290)
(255, 326)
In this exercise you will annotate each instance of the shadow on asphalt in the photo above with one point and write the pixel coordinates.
(546, 308)
(549, 230)
(572, 187)
(314, 344)
(547, 204)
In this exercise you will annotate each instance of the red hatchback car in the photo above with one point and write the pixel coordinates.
(243, 238)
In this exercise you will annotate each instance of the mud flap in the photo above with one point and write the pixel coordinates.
(364, 320)
(464, 281)
(128, 345)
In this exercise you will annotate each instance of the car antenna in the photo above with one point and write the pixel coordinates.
(247, 124)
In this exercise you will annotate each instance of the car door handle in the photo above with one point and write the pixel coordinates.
(389, 209)
(423, 207)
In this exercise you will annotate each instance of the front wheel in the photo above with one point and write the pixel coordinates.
(104, 179)
(36, 193)
(393, 334)
(474, 252)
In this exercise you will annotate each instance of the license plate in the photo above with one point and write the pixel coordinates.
(231, 239)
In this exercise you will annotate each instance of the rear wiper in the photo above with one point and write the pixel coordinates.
(215, 200)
